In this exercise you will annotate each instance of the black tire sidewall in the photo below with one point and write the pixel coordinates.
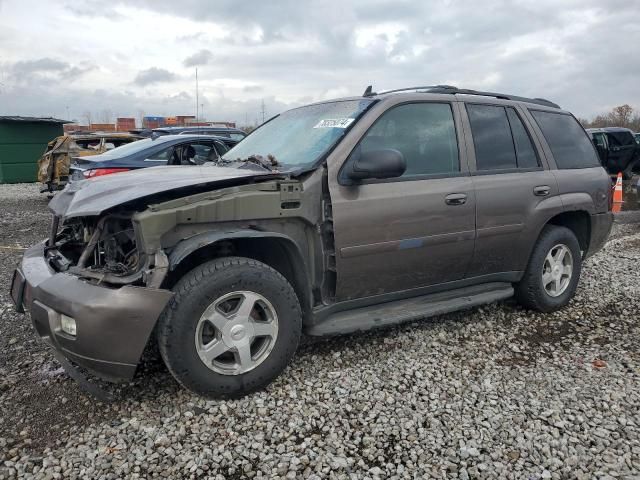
(194, 293)
(531, 287)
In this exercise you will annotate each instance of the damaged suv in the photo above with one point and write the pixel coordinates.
(331, 218)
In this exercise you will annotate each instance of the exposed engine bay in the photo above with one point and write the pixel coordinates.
(105, 250)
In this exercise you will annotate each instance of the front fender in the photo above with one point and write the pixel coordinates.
(298, 273)
(186, 247)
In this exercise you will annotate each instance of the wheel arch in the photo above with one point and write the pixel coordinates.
(274, 249)
(579, 222)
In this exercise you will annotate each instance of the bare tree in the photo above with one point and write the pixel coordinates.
(86, 115)
(621, 115)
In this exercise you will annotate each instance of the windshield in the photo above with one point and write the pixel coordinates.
(300, 136)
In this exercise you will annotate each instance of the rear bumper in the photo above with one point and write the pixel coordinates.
(112, 324)
(601, 224)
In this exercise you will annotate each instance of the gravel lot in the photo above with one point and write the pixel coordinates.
(495, 392)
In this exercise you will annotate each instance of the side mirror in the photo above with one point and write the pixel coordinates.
(383, 163)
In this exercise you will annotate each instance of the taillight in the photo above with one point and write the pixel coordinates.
(98, 172)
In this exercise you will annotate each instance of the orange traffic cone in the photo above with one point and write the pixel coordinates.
(617, 189)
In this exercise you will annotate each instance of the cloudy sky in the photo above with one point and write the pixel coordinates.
(114, 58)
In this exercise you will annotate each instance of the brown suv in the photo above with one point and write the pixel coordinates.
(331, 218)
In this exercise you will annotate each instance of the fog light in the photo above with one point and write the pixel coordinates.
(68, 325)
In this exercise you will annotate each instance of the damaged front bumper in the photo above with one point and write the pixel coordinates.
(112, 324)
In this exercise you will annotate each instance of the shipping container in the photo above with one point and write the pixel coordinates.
(183, 120)
(153, 122)
(102, 127)
(124, 124)
(22, 142)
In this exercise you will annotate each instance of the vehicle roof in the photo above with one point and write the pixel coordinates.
(98, 135)
(168, 138)
(175, 129)
(445, 92)
(609, 129)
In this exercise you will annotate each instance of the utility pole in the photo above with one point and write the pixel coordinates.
(197, 99)
(263, 112)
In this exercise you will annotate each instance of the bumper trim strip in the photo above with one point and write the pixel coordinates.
(90, 388)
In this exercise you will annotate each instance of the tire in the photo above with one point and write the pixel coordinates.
(530, 291)
(185, 332)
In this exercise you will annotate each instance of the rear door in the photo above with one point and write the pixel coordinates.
(514, 189)
(622, 151)
(416, 230)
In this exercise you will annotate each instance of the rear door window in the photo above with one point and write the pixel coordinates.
(161, 156)
(492, 137)
(569, 143)
(525, 151)
(500, 139)
(193, 153)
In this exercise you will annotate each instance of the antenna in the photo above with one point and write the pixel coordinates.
(368, 92)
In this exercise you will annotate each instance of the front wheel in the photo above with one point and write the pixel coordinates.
(551, 278)
(232, 327)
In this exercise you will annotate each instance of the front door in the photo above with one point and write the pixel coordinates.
(413, 231)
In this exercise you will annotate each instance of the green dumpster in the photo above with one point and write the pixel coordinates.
(22, 142)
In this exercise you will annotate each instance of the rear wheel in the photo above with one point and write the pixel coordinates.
(553, 272)
(232, 327)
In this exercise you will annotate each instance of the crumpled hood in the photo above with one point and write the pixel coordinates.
(94, 196)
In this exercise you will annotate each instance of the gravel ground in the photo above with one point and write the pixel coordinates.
(495, 392)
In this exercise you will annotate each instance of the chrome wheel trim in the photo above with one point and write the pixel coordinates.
(557, 270)
(236, 332)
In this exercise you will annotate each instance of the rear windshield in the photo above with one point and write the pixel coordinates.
(569, 143)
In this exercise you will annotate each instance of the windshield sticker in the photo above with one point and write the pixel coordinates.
(334, 123)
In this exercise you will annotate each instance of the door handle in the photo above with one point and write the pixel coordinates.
(541, 190)
(456, 199)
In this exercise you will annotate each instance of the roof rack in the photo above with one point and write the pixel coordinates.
(448, 89)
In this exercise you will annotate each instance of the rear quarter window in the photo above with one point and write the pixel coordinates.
(569, 143)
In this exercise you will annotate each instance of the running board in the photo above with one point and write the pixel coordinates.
(400, 311)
